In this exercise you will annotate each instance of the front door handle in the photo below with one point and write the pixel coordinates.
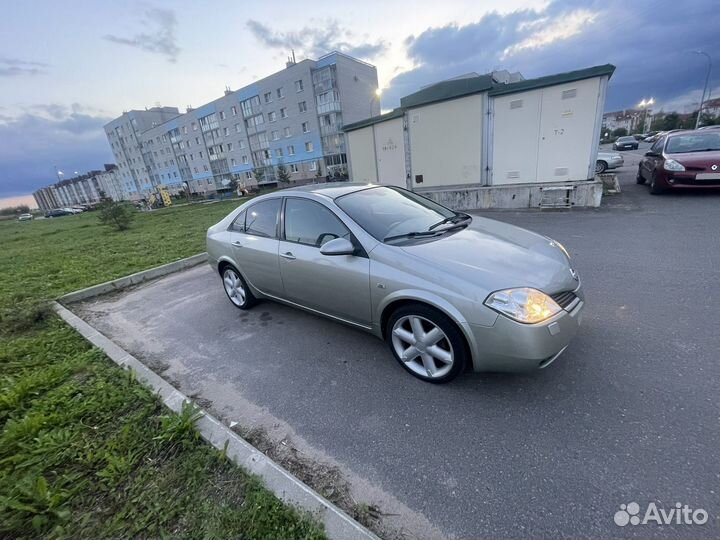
(237, 244)
(288, 255)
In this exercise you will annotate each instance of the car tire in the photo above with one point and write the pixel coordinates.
(443, 352)
(639, 178)
(236, 288)
(600, 166)
(654, 188)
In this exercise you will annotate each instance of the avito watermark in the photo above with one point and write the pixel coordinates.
(680, 514)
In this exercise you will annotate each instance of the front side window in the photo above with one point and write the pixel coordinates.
(385, 212)
(312, 224)
(262, 217)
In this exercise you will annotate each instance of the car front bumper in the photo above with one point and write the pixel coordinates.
(510, 346)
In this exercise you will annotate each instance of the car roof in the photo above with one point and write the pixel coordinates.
(332, 190)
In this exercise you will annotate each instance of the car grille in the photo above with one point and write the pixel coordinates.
(564, 299)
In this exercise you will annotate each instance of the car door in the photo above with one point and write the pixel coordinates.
(337, 285)
(254, 241)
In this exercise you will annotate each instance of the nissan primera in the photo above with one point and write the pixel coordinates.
(447, 291)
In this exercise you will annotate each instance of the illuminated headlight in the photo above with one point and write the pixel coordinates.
(523, 305)
(555, 243)
(672, 165)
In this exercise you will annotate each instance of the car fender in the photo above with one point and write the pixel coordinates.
(225, 258)
(433, 300)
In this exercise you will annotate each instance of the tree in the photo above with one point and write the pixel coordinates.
(282, 173)
(619, 132)
(116, 214)
(259, 175)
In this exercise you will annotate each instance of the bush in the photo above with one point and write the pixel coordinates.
(620, 132)
(116, 214)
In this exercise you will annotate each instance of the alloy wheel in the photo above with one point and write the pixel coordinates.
(422, 346)
(234, 287)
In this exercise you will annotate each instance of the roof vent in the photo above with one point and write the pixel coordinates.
(513, 174)
(561, 171)
(569, 94)
(516, 104)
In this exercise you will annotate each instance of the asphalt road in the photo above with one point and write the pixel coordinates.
(630, 412)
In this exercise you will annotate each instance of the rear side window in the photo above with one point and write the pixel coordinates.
(261, 218)
(657, 147)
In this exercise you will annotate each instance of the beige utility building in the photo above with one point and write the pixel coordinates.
(462, 140)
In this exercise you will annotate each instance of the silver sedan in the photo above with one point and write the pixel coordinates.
(445, 295)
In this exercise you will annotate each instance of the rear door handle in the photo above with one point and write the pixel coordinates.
(288, 255)
(237, 244)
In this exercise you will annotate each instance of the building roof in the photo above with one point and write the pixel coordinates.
(395, 113)
(456, 88)
(450, 89)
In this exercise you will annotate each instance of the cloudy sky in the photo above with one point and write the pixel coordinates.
(68, 67)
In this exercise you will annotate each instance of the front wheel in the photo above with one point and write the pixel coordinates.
(639, 177)
(427, 343)
(236, 289)
(654, 188)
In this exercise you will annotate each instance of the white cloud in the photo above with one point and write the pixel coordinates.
(546, 32)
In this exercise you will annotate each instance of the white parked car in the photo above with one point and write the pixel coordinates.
(608, 160)
(25, 217)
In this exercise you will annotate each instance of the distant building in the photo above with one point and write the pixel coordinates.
(293, 117)
(86, 189)
(712, 107)
(629, 119)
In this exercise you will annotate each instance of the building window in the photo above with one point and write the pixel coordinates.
(197, 140)
(248, 175)
(226, 131)
(222, 115)
(268, 97)
(229, 147)
(293, 168)
(313, 165)
(306, 127)
(302, 106)
(241, 143)
(291, 150)
(184, 130)
(299, 86)
(272, 116)
(287, 131)
(233, 110)
(278, 152)
(309, 146)
(192, 158)
(280, 94)
(275, 135)
(194, 127)
(232, 162)
(200, 155)
(245, 160)
(205, 168)
(283, 112)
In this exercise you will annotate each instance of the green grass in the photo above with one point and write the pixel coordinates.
(86, 451)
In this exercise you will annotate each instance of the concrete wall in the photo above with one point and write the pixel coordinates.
(362, 155)
(446, 142)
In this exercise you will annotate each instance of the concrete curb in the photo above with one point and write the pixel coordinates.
(133, 279)
(285, 486)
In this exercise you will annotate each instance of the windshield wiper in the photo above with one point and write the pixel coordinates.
(457, 218)
(412, 234)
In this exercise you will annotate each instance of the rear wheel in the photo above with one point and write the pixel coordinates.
(600, 166)
(427, 343)
(236, 289)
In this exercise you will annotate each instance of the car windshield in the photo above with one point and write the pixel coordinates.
(626, 139)
(693, 142)
(387, 212)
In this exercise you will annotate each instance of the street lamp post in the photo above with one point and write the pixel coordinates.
(645, 105)
(705, 88)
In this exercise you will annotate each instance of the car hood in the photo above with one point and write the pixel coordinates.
(698, 160)
(495, 255)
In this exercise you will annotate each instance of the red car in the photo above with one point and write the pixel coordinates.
(682, 160)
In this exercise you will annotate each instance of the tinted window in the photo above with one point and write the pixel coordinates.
(385, 212)
(310, 223)
(239, 224)
(657, 147)
(261, 219)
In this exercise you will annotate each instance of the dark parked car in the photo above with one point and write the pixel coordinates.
(625, 143)
(682, 160)
(58, 212)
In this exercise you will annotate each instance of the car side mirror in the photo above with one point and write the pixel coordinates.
(338, 246)
(652, 154)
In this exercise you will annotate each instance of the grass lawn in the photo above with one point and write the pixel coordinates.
(86, 451)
